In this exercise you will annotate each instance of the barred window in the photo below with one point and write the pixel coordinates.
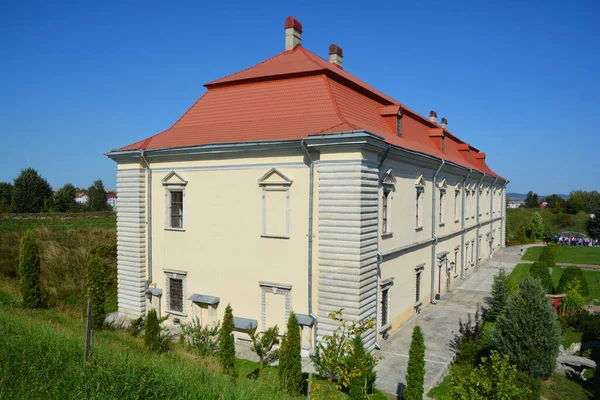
(385, 306)
(176, 295)
(418, 283)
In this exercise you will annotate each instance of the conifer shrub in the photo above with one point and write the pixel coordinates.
(227, 343)
(152, 331)
(290, 363)
(570, 274)
(96, 290)
(540, 270)
(29, 271)
(415, 373)
(202, 340)
(363, 374)
(499, 299)
(528, 332)
(548, 255)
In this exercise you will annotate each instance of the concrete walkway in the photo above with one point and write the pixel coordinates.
(439, 322)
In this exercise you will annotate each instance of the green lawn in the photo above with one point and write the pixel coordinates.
(568, 254)
(569, 337)
(559, 387)
(517, 275)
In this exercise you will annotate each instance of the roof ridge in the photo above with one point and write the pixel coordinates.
(334, 103)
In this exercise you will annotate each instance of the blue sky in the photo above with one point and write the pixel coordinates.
(516, 79)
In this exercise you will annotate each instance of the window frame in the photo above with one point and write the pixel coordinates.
(279, 183)
(175, 275)
(442, 211)
(456, 202)
(169, 216)
(418, 284)
(385, 287)
(419, 207)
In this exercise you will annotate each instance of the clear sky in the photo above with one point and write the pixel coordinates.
(517, 79)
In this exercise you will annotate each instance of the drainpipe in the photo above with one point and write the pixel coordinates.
(464, 229)
(503, 213)
(492, 214)
(478, 219)
(379, 256)
(434, 236)
(310, 235)
(148, 219)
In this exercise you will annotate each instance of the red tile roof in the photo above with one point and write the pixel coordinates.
(295, 94)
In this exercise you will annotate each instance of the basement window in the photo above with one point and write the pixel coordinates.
(175, 284)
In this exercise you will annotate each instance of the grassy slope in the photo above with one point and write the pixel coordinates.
(22, 222)
(518, 217)
(568, 254)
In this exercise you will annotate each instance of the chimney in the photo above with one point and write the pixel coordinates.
(444, 123)
(293, 33)
(433, 116)
(335, 55)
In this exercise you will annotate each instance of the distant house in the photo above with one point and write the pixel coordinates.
(111, 199)
(515, 203)
(81, 198)
(544, 205)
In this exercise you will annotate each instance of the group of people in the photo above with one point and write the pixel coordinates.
(575, 241)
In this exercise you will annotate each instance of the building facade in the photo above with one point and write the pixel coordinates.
(294, 186)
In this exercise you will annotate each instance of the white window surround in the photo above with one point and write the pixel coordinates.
(388, 187)
(175, 274)
(442, 207)
(456, 205)
(420, 188)
(385, 286)
(419, 284)
(275, 181)
(277, 289)
(173, 182)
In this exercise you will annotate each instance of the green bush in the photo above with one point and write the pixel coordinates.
(137, 326)
(227, 343)
(202, 340)
(290, 363)
(466, 342)
(540, 270)
(548, 255)
(570, 274)
(494, 379)
(152, 331)
(362, 365)
(29, 271)
(415, 373)
(96, 290)
(499, 299)
(528, 332)
(262, 344)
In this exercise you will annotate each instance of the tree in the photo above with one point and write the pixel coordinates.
(556, 203)
(532, 200)
(290, 363)
(201, 339)
(29, 271)
(548, 255)
(570, 274)
(227, 343)
(6, 190)
(535, 226)
(96, 290)
(540, 270)
(31, 192)
(415, 373)
(362, 365)
(97, 197)
(585, 201)
(499, 300)
(494, 379)
(262, 344)
(574, 301)
(592, 225)
(528, 332)
(64, 199)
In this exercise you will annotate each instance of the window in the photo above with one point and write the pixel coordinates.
(442, 201)
(175, 284)
(456, 261)
(472, 251)
(466, 255)
(418, 275)
(480, 192)
(467, 205)
(419, 209)
(473, 204)
(385, 301)
(456, 203)
(176, 209)
(386, 208)
(276, 210)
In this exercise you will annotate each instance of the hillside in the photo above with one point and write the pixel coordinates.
(553, 223)
(522, 196)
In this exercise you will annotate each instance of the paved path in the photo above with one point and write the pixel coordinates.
(439, 322)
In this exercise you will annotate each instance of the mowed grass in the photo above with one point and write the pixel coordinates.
(568, 254)
(559, 387)
(23, 222)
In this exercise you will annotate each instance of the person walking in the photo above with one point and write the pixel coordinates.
(522, 250)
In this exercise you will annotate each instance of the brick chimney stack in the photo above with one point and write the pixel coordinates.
(335, 55)
(444, 123)
(293, 33)
(433, 116)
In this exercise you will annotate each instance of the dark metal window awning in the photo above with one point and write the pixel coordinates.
(204, 299)
(305, 320)
(244, 324)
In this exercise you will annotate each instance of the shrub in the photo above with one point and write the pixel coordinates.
(263, 344)
(29, 271)
(152, 331)
(548, 255)
(202, 340)
(329, 356)
(495, 378)
(534, 385)
(96, 290)
(290, 363)
(539, 269)
(466, 342)
(573, 303)
(137, 326)
(415, 373)
(528, 332)
(227, 343)
(497, 303)
(362, 365)
(570, 274)
(592, 225)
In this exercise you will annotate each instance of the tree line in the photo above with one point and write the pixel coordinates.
(31, 193)
(579, 200)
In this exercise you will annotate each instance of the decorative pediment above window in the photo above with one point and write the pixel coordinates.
(388, 178)
(173, 179)
(442, 184)
(420, 182)
(274, 177)
(458, 187)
